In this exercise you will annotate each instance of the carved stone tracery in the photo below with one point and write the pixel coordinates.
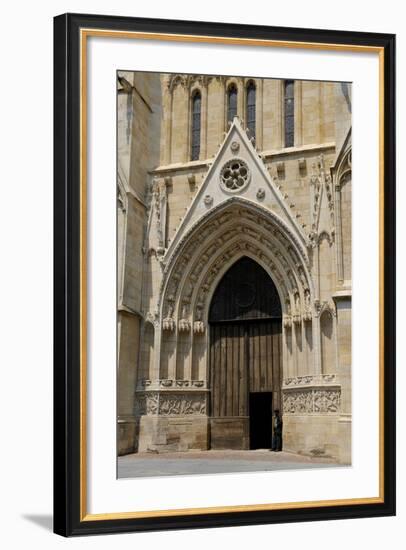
(234, 176)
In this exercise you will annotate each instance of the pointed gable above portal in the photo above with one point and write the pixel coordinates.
(237, 170)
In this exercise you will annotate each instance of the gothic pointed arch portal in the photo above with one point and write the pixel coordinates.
(245, 357)
(174, 399)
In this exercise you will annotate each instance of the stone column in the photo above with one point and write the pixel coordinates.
(172, 354)
(291, 357)
(298, 124)
(295, 351)
(317, 367)
(223, 119)
(128, 359)
(338, 234)
(305, 366)
(156, 361)
(279, 113)
(240, 99)
(343, 327)
(167, 125)
(188, 144)
(259, 114)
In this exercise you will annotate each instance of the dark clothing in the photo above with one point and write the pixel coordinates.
(277, 433)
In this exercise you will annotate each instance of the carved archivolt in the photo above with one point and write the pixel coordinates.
(307, 401)
(170, 404)
(211, 248)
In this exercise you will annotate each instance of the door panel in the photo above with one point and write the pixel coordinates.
(228, 370)
(245, 353)
(244, 357)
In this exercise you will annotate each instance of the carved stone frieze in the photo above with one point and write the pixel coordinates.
(298, 402)
(146, 404)
(153, 403)
(312, 401)
(326, 401)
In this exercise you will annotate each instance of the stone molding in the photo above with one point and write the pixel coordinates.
(310, 380)
(169, 384)
(158, 403)
(311, 148)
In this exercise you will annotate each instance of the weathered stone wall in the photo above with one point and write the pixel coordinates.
(139, 109)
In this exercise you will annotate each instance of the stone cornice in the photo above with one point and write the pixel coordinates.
(342, 294)
(123, 308)
(310, 381)
(180, 167)
(172, 385)
(286, 152)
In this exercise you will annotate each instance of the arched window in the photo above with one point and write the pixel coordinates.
(232, 103)
(251, 97)
(289, 100)
(196, 111)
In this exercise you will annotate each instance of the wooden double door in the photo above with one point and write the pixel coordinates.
(245, 358)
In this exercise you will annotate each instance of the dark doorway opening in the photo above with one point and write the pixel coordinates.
(260, 420)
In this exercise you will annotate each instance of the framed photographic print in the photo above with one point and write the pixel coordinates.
(224, 274)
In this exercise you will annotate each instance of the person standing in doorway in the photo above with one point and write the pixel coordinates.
(277, 432)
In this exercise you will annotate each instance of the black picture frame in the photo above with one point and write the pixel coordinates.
(68, 515)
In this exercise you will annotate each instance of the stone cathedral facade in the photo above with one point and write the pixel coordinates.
(234, 263)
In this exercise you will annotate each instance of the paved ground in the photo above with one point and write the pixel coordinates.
(211, 462)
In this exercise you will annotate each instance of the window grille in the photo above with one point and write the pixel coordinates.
(196, 111)
(289, 113)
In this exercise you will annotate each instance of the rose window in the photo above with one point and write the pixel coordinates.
(234, 175)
